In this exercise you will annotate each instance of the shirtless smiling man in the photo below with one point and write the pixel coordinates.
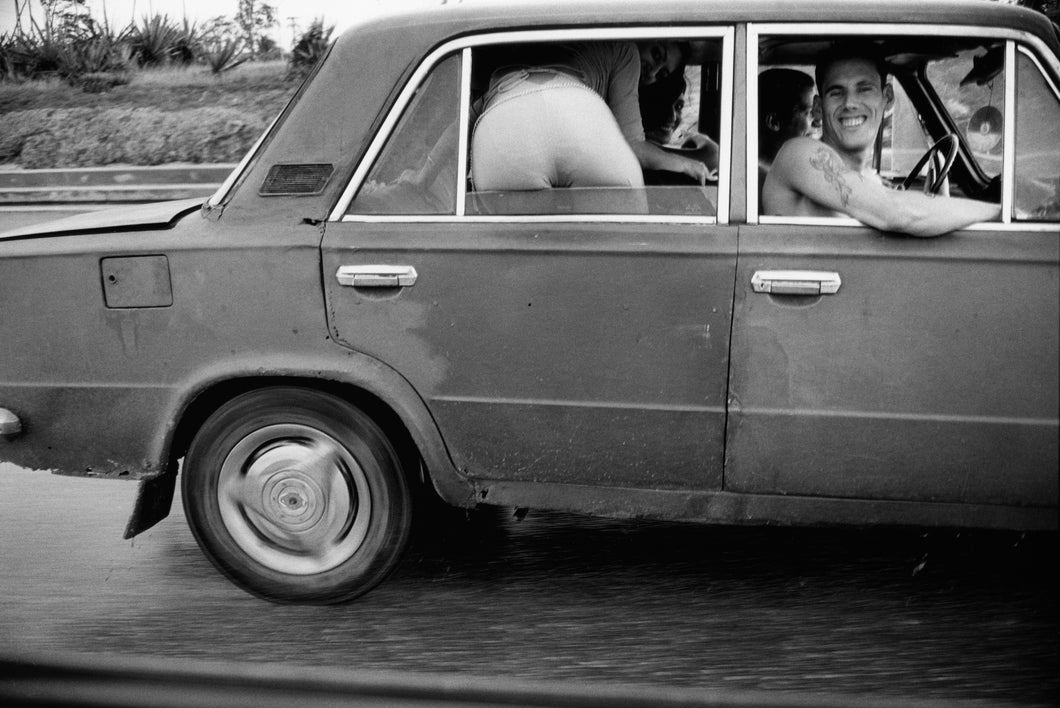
(834, 176)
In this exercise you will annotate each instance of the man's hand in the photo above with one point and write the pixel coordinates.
(652, 157)
(698, 171)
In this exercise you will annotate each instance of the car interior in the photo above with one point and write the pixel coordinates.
(681, 114)
(945, 133)
(950, 93)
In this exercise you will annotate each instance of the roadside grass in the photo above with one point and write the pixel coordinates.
(256, 86)
(161, 116)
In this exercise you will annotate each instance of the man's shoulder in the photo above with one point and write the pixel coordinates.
(790, 158)
(788, 188)
(797, 149)
(803, 156)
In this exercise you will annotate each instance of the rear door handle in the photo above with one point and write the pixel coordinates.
(376, 276)
(796, 282)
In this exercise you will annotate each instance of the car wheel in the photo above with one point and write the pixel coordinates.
(296, 496)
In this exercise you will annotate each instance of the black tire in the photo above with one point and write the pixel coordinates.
(296, 496)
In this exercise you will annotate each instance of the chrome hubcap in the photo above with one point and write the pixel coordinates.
(294, 499)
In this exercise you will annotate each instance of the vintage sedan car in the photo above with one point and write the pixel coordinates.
(340, 329)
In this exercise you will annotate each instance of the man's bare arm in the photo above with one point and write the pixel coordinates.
(816, 172)
(835, 173)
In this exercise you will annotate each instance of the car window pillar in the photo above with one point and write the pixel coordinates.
(1008, 169)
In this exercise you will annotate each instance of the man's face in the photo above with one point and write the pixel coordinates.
(801, 122)
(658, 60)
(853, 103)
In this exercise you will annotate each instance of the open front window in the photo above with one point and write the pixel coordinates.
(928, 88)
(949, 89)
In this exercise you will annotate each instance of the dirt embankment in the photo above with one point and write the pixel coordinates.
(159, 117)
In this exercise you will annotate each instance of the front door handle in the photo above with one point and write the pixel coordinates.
(376, 276)
(795, 282)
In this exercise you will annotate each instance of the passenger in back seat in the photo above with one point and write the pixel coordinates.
(574, 119)
(662, 106)
(785, 111)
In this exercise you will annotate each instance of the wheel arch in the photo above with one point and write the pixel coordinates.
(382, 394)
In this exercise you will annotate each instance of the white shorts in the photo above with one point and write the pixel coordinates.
(542, 129)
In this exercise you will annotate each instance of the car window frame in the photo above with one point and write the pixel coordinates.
(224, 193)
(1015, 40)
(464, 45)
(1054, 86)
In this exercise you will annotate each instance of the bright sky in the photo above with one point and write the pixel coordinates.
(340, 13)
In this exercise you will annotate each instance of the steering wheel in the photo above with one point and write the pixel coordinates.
(947, 143)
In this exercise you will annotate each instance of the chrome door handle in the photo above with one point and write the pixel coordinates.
(9, 423)
(376, 276)
(795, 282)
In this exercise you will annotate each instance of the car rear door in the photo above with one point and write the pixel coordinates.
(552, 345)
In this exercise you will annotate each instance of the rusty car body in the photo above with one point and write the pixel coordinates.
(312, 350)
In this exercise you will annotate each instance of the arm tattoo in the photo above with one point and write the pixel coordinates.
(833, 169)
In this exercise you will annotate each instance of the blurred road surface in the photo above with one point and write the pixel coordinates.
(892, 613)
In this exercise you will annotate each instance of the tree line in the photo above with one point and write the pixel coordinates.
(66, 41)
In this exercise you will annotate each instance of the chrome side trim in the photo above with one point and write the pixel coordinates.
(751, 175)
(833, 221)
(464, 140)
(1008, 159)
(876, 29)
(728, 64)
(530, 219)
(1015, 227)
(596, 33)
(810, 220)
(895, 415)
(579, 403)
(465, 44)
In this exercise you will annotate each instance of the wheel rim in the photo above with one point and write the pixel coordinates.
(294, 499)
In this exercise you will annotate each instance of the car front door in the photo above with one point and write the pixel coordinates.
(929, 374)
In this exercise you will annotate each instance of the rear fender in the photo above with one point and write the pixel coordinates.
(359, 376)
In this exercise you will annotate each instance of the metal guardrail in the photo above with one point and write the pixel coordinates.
(110, 184)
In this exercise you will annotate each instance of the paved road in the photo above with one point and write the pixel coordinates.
(560, 597)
